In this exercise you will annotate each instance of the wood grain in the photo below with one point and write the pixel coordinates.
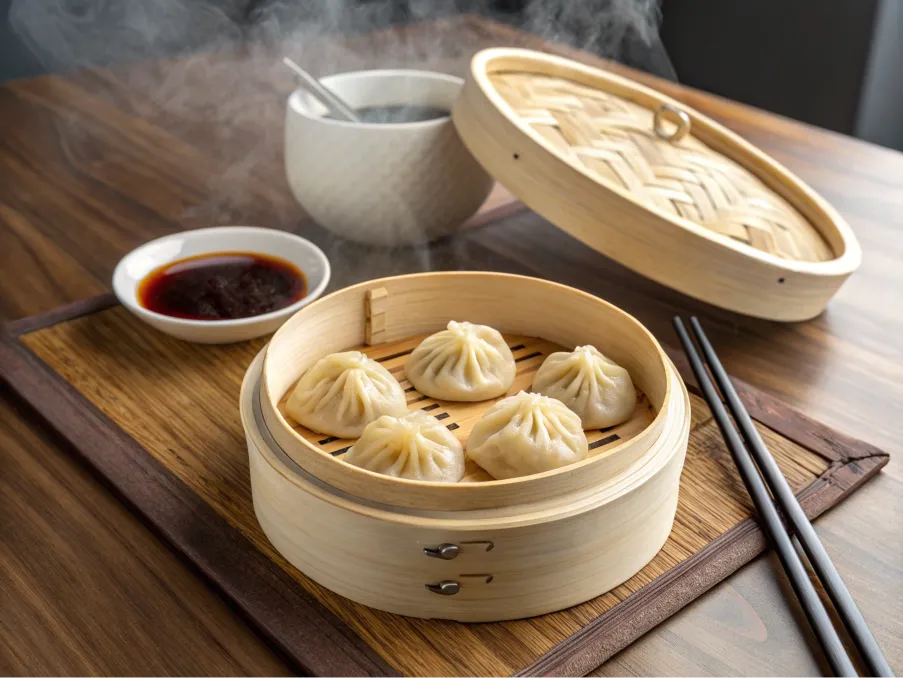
(294, 617)
(115, 616)
(108, 356)
(85, 174)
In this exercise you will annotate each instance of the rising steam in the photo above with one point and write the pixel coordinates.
(66, 34)
(240, 114)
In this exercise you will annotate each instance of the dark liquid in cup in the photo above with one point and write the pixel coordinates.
(396, 114)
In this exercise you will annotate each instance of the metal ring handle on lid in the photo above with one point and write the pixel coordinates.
(682, 122)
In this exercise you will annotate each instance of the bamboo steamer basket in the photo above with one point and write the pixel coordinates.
(482, 549)
(655, 185)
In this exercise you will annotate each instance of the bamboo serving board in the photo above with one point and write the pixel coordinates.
(158, 418)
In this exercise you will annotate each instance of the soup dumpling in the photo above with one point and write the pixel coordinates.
(344, 392)
(524, 434)
(595, 387)
(464, 362)
(416, 446)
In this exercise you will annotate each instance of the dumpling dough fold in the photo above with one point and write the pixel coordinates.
(525, 434)
(416, 446)
(595, 387)
(464, 362)
(344, 392)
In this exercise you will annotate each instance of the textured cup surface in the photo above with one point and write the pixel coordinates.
(383, 184)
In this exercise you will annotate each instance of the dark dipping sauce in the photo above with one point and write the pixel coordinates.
(395, 114)
(222, 286)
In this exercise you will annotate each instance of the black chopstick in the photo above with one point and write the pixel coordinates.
(770, 520)
(849, 614)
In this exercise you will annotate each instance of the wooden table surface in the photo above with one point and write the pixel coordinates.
(94, 163)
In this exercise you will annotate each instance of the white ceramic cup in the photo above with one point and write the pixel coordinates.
(138, 263)
(383, 184)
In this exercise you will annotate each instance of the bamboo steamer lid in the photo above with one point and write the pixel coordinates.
(653, 184)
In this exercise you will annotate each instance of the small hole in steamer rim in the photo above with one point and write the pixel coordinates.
(781, 281)
(516, 156)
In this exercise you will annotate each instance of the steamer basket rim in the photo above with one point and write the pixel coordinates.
(477, 520)
(458, 489)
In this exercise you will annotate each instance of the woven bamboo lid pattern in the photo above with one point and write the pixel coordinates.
(616, 140)
(654, 185)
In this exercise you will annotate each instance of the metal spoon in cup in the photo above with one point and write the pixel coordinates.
(323, 95)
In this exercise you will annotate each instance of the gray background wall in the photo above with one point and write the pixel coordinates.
(16, 61)
(880, 114)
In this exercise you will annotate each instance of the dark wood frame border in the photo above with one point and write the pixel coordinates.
(298, 624)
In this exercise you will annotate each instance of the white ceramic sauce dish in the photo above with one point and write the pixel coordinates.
(136, 265)
(383, 183)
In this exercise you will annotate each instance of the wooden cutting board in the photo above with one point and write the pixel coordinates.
(158, 419)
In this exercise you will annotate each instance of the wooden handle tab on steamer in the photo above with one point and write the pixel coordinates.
(376, 306)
